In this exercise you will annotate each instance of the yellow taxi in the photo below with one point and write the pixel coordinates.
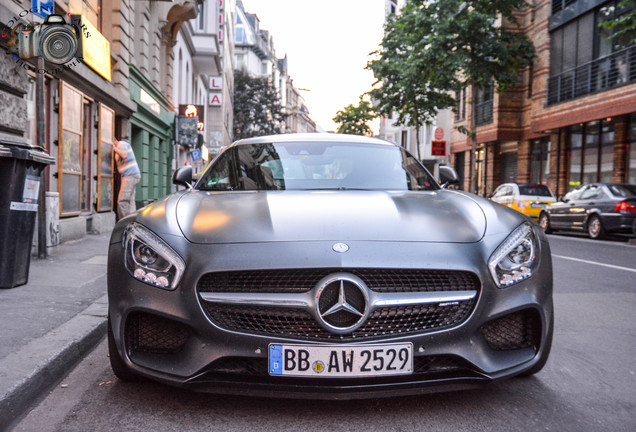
(528, 199)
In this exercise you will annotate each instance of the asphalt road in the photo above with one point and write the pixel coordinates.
(589, 383)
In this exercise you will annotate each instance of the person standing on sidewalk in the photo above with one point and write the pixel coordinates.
(130, 176)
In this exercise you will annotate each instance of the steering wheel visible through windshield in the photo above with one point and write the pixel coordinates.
(316, 166)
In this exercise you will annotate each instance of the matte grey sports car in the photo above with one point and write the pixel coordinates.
(326, 266)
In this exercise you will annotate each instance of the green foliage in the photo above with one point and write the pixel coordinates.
(437, 47)
(257, 108)
(622, 25)
(353, 119)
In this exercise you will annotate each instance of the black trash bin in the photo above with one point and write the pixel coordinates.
(20, 168)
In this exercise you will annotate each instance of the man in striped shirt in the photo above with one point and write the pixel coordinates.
(130, 176)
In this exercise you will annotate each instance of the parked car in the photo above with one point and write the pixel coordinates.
(598, 209)
(528, 199)
(326, 266)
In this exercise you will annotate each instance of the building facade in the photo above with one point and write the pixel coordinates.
(571, 119)
(117, 86)
(203, 76)
(255, 54)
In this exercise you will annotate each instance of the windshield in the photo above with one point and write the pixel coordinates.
(316, 166)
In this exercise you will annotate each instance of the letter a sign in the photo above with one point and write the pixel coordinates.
(215, 99)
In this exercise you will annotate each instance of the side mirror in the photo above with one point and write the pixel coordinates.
(183, 176)
(448, 176)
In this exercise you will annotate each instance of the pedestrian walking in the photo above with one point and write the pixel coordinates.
(130, 176)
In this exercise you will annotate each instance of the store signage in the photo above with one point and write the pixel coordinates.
(96, 50)
(190, 110)
(216, 83)
(215, 99)
(438, 148)
(148, 100)
(186, 131)
(439, 134)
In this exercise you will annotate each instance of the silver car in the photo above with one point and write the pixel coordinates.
(326, 266)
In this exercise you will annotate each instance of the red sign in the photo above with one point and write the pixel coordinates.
(439, 134)
(438, 148)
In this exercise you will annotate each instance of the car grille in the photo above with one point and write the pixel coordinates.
(257, 367)
(148, 333)
(302, 280)
(515, 331)
(300, 324)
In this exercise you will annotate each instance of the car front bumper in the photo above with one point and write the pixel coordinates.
(180, 344)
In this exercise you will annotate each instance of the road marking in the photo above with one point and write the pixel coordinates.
(596, 263)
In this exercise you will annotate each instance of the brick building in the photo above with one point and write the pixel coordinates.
(571, 119)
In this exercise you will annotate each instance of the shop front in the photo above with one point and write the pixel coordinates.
(151, 137)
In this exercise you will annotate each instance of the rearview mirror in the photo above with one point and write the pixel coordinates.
(183, 176)
(448, 176)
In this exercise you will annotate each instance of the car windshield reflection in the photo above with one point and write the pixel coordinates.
(316, 166)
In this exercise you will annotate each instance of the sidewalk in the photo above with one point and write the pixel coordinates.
(50, 323)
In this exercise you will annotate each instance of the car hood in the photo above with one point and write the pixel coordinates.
(267, 216)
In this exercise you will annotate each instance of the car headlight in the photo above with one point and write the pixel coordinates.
(513, 260)
(150, 259)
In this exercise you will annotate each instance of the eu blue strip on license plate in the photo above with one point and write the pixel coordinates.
(340, 360)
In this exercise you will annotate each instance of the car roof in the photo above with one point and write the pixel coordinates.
(314, 137)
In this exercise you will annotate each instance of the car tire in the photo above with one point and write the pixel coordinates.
(546, 353)
(595, 228)
(117, 364)
(544, 222)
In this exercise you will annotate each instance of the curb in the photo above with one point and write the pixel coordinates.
(28, 373)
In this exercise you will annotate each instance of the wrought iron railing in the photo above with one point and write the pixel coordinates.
(605, 73)
(483, 113)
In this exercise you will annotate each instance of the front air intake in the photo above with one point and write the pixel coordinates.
(148, 333)
(515, 331)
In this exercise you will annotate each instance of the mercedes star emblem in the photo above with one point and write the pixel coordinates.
(342, 303)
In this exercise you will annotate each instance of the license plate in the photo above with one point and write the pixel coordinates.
(340, 361)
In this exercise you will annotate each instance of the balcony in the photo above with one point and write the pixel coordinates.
(602, 74)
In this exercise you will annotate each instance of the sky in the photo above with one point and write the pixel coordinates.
(327, 43)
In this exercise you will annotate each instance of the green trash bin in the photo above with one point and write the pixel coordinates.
(20, 168)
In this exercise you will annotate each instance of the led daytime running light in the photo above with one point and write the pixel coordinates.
(512, 261)
(150, 271)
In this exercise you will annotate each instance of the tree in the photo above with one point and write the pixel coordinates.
(257, 108)
(353, 119)
(435, 48)
(622, 24)
(401, 69)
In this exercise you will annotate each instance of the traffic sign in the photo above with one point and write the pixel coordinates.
(195, 155)
(42, 8)
(438, 148)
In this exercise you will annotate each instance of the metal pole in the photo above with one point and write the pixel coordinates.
(41, 141)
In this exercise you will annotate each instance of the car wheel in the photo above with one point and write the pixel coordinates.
(117, 364)
(546, 353)
(544, 222)
(595, 227)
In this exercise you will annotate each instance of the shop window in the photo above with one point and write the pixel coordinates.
(606, 167)
(631, 154)
(70, 151)
(105, 156)
(540, 160)
(576, 146)
(591, 153)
